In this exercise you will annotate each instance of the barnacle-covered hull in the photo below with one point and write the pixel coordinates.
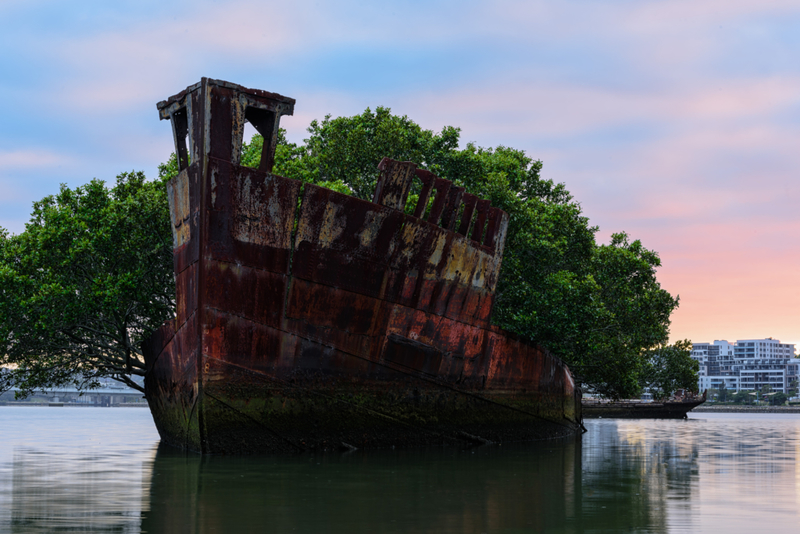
(308, 319)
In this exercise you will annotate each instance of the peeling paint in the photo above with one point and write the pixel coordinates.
(333, 225)
(372, 225)
(357, 331)
(178, 196)
(436, 255)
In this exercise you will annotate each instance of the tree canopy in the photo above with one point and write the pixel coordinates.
(84, 284)
(668, 369)
(72, 302)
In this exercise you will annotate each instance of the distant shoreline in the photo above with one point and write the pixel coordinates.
(746, 409)
(73, 404)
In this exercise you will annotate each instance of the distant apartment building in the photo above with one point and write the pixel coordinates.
(716, 365)
(747, 364)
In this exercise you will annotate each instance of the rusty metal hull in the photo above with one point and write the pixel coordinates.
(309, 320)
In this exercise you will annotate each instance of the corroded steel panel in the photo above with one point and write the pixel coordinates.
(246, 343)
(186, 287)
(254, 294)
(184, 199)
(469, 201)
(355, 344)
(394, 183)
(442, 188)
(370, 328)
(451, 207)
(251, 215)
(413, 355)
(346, 311)
(171, 384)
(358, 246)
(180, 209)
(343, 241)
(262, 205)
(481, 211)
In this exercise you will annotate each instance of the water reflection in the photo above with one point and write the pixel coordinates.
(609, 482)
(74, 469)
(492, 489)
(102, 472)
(711, 473)
(91, 492)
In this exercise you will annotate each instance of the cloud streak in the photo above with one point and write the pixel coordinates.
(675, 121)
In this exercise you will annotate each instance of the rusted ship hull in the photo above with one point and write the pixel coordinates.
(308, 319)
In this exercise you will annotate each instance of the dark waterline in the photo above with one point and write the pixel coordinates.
(101, 470)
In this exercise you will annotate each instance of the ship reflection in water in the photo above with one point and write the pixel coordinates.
(481, 490)
(730, 473)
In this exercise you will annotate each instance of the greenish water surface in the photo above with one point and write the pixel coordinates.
(101, 470)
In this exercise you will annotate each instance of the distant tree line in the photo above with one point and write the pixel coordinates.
(764, 394)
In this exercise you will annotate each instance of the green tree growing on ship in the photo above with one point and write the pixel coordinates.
(598, 307)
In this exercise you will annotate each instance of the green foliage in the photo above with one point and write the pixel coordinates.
(348, 149)
(85, 283)
(103, 258)
(778, 399)
(669, 368)
(743, 397)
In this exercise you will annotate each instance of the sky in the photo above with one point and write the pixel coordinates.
(676, 121)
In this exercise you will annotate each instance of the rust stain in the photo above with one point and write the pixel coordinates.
(178, 195)
(334, 223)
(355, 331)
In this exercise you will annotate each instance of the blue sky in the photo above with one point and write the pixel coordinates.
(676, 121)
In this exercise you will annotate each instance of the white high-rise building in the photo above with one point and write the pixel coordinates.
(761, 362)
(749, 364)
(716, 365)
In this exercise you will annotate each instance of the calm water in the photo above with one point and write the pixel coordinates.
(101, 470)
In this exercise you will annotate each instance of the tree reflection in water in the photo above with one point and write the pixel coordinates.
(96, 471)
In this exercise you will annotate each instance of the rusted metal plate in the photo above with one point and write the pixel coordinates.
(345, 311)
(344, 242)
(180, 208)
(354, 344)
(246, 343)
(186, 287)
(250, 217)
(367, 249)
(370, 327)
(184, 198)
(394, 183)
(283, 356)
(171, 384)
(227, 284)
(413, 355)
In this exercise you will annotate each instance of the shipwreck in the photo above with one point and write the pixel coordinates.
(311, 320)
